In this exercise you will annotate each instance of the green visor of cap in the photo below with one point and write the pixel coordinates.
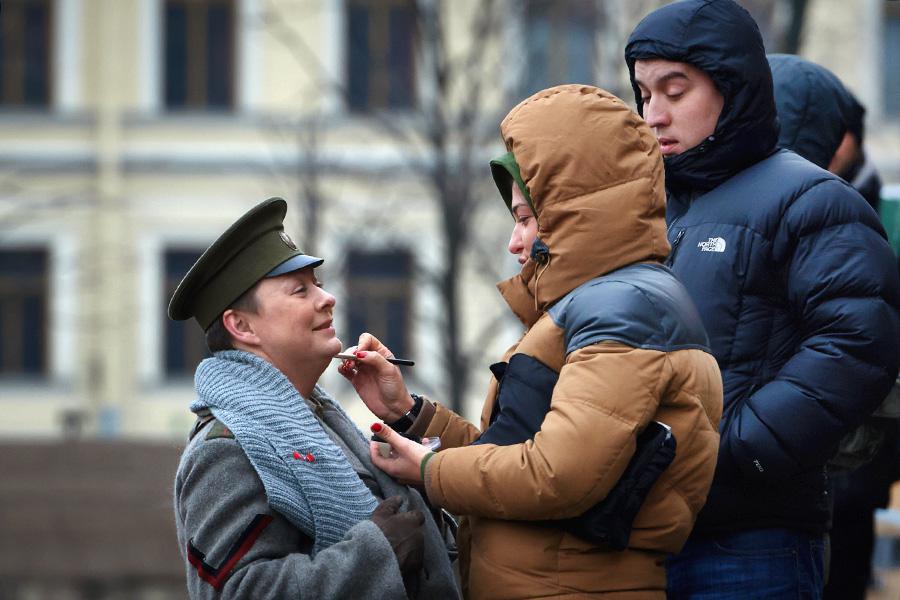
(255, 247)
(505, 170)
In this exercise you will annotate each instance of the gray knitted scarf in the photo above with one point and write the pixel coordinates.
(306, 476)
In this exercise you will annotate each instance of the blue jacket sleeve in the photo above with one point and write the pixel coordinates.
(843, 288)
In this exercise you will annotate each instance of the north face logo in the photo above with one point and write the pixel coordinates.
(715, 244)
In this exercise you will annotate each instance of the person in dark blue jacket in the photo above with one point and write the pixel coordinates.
(817, 115)
(850, 160)
(797, 288)
(814, 108)
(822, 121)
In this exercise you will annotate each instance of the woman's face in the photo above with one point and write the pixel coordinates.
(294, 319)
(525, 230)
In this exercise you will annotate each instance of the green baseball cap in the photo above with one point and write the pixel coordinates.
(505, 170)
(255, 247)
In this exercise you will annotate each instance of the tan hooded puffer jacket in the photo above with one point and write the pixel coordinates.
(595, 177)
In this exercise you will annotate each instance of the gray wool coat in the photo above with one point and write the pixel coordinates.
(236, 546)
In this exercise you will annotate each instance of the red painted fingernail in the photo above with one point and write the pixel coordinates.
(310, 457)
(360, 354)
(376, 427)
(297, 455)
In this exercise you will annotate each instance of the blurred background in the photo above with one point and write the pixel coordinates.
(133, 132)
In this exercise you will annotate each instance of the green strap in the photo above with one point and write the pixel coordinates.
(424, 462)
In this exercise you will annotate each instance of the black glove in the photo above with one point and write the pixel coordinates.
(404, 532)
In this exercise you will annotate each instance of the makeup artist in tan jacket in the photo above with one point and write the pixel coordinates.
(612, 345)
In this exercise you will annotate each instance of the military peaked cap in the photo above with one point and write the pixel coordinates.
(255, 247)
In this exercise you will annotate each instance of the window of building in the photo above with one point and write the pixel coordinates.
(889, 60)
(560, 43)
(199, 54)
(23, 311)
(185, 343)
(380, 44)
(25, 51)
(379, 297)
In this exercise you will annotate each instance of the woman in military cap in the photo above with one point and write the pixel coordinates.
(276, 494)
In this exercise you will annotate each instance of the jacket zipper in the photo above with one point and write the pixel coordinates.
(671, 258)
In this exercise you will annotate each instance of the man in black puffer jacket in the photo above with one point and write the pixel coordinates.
(797, 288)
(817, 114)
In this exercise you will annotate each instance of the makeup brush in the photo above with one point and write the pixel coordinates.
(403, 362)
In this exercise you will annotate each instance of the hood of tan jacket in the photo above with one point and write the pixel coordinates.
(599, 207)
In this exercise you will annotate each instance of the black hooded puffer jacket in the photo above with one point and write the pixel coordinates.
(721, 39)
(813, 107)
(790, 270)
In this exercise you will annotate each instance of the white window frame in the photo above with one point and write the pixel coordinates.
(62, 297)
(67, 68)
(248, 64)
(151, 255)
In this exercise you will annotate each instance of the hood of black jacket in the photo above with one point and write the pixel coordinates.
(814, 107)
(720, 38)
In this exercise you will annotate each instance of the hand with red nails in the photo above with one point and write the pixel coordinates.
(379, 384)
(406, 458)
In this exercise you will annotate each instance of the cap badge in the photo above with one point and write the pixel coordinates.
(287, 240)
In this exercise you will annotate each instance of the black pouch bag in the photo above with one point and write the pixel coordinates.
(609, 522)
(523, 400)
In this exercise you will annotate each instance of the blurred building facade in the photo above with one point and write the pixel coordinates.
(140, 131)
(132, 132)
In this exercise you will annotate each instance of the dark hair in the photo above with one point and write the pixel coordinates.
(217, 337)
